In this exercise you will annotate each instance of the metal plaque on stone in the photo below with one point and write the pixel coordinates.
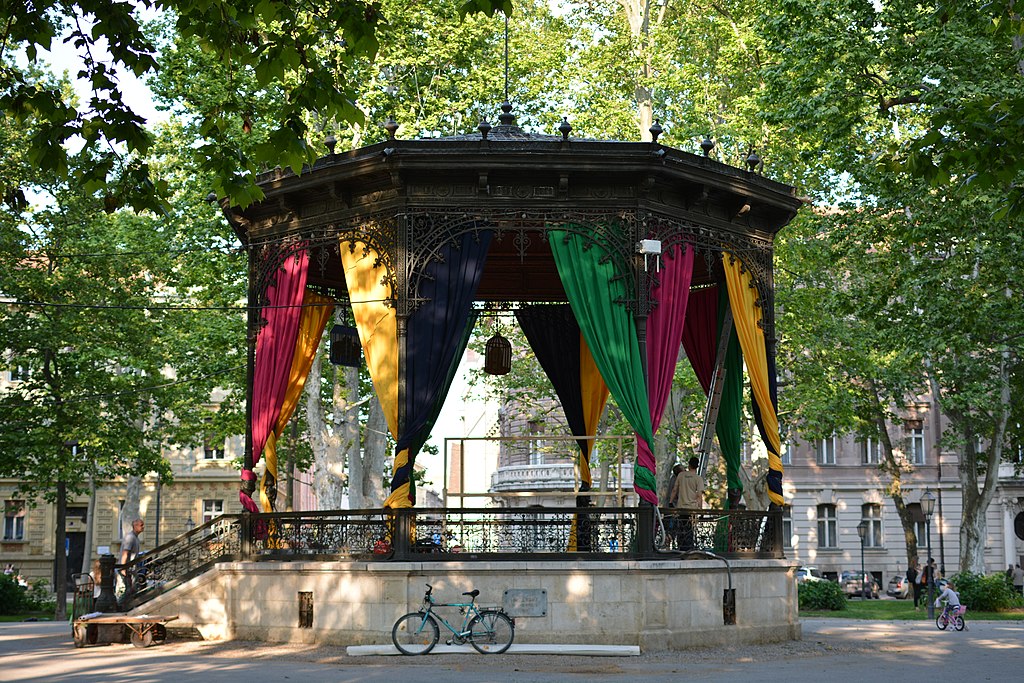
(526, 602)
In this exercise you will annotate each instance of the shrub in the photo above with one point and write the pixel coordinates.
(986, 593)
(821, 595)
(13, 598)
(39, 598)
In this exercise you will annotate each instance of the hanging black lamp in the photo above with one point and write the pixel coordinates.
(497, 355)
(345, 348)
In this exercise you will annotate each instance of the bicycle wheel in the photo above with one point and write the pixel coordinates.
(941, 622)
(491, 632)
(958, 623)
(416, 633)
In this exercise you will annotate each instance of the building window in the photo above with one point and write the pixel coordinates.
(14, 520)
(871, 451)
(827, 451)
(917, 445)
(787, 526)
(871, 516)
(20, 373)
(212, 509)
(213, 449)
(920, 525)
(117, 522)
(536, 453)
(827, 527)
(787, 452)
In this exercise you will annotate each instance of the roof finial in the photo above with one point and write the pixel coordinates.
(655, 130)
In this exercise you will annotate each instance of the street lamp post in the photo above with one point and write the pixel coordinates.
(862, 531)
(927, 508)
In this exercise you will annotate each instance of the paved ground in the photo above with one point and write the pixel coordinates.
(832, 651)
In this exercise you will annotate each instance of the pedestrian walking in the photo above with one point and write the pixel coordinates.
(913, 573)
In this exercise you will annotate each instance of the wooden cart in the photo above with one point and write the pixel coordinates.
(144, 629)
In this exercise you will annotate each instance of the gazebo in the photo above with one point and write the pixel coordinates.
(616, 254)
(636, 237)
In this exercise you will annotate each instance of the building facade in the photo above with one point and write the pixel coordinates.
(205, 486)
(834, 484)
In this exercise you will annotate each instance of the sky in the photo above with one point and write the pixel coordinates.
(64, 57)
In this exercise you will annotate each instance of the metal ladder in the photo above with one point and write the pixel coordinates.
(707, 432)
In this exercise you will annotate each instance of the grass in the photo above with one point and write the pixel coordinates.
(902, 610)
(38, 616)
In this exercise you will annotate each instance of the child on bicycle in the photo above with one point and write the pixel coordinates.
(951, 597)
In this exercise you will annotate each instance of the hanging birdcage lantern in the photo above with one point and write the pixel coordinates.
(497, 355)
(345, 348)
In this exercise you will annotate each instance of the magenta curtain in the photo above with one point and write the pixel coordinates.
(699, 334)
(275, 347)
(665, 333)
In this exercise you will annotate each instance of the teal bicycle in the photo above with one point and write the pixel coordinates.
(490, 631)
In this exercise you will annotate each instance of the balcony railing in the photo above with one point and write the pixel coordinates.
(457, 534)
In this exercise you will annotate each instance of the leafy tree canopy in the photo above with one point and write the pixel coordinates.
(300, 51)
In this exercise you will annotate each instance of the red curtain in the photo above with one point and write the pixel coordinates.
(275, 347)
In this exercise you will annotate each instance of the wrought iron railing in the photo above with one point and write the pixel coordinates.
(730, 533)
(462, 534)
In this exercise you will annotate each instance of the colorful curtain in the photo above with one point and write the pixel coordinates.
(369, 292)
(665, 333)
(594, 396)
(730, 406)
(747, 316)
(594, 289)
(699, 336)
(316, 311)
(555, 338)
(704, 317)
(436, 339)
(275, 347)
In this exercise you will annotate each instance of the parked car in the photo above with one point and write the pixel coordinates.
(808, 574)
(898, 587)
(854, 583)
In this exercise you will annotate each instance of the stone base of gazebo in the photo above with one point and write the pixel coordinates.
(656, 605)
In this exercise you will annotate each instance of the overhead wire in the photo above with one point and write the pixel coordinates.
(122, 307)
(141, 389)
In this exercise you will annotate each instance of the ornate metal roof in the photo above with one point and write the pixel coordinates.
(419, 192)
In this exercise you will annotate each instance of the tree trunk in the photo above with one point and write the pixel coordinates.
(976, 501)
(602, 483)
(638, 15)
(90, 513)
(130, 509)
(664, 458)
(328, 461)
(755, 488)
(346, 421)
(375, 450)
(892, 467)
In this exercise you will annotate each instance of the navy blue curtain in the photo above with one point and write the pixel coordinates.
(436, 337)
(554, 336)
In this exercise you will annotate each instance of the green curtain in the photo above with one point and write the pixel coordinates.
(594, 287)
(731, 406)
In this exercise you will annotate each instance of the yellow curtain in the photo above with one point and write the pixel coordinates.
(316, 311)
(377, 323)
(747, 318)
(594, 393)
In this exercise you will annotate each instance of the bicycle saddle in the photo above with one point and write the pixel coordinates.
(473, 593)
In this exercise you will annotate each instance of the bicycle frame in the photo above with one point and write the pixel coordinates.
(469, 609)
